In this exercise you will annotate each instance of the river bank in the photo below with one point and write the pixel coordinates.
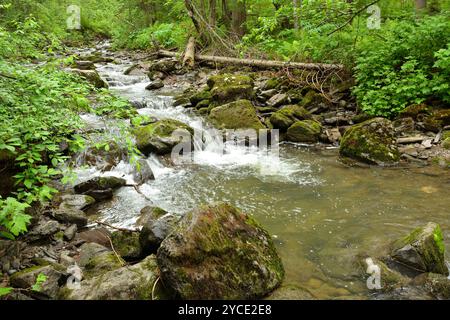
(320, 212)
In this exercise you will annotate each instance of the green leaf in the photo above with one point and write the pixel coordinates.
(41, 278)
(5, 291)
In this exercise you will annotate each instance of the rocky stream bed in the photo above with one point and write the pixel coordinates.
(306, 223)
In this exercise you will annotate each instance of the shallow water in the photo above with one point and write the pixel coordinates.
(320, 212)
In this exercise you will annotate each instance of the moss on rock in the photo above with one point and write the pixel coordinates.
(127, 244)
(371, 141)
(236, 115)
(286, 116)
(230, 87)
(157, 137)
(218, 252)
(422, 250)
(414, 110)
(304, 131)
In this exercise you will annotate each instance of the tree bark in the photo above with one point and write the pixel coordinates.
(238, 18)
(189, 56)
(260, 63)
(420, 4)
(212, 13)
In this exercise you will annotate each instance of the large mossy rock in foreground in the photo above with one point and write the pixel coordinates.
(230, 87)
(218, 252)
(160, 137)
(236, 115)
(422, 250)
(372, 142)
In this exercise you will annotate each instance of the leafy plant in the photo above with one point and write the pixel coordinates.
(407, 63)
(13, 220)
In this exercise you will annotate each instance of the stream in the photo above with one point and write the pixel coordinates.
(320, 212)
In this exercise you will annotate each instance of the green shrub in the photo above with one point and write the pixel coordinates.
(404, 63)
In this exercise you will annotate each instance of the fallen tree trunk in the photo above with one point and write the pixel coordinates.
(189, 56)
(260, 63)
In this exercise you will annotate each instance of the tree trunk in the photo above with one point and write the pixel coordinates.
(260, 63)
(189, 56)
(295, 7)
(421, 4)
(212, 13)
(191, 12)
(238, 18)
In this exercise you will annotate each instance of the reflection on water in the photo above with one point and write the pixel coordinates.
(320, 212)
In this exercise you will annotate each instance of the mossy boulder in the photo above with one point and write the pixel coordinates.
(230, 87)
(240, 114)
(422, 250)
(286, 116)
(200, 96)
(92, 77)
(372, 142)
(160, 137)
(134, 282)
(219, 252)
(413, 111)
(127, 244)
(304, 131)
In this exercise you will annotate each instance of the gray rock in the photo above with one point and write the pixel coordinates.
(25, 279)
(85, 65)
(93, 77)
(155, 85)
(154, 232)
(278, 100)
(143, 173)
(70, 232)
(134, 282)
(68, 215)
(88, 251)
(44, 230)
(100, 188)
(100, 183)
(76, 201)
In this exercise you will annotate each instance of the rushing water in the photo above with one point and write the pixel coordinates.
(320, 212)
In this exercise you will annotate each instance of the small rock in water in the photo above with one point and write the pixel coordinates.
(155, 85)
(422, 250)
(429, 189)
